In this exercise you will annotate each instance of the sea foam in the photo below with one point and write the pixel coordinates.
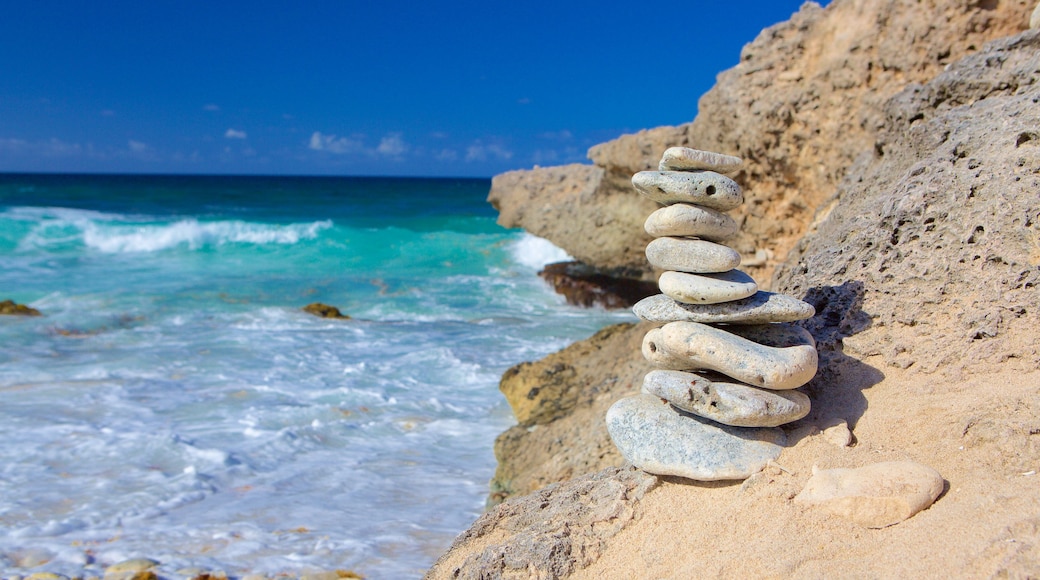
(534, 252)
(195, 234)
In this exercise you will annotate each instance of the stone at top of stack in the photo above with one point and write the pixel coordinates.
(725, 388)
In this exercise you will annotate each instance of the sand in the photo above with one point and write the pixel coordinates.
(981, 432)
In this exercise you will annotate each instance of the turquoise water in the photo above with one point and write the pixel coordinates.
(175, 403)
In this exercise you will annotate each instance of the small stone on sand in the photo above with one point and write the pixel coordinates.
(874, 496)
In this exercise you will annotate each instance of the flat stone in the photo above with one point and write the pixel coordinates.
(874, 496)
(660, 439)
(775, 335)
(693, 346)
(761, 308)
(690, 255)
(707, 288)
(727, 403)
(705, 188)
(686, 159)
(683, 219)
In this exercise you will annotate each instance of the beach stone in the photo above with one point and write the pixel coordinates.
(683, 219)
(705, 188)
(46, 576)
(775, 335)
(686, 159)
(874, 496)
(836, 432)
(693, 346)
(707, 288)
(724, 402)
(689, 255)
(660, 439)
(1034, 20)
(758, 309)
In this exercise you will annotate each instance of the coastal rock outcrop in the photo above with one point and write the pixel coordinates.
(924, 266)
(941, 223)
(804, 102)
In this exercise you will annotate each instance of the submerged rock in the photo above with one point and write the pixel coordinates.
(9, 307)
(324, 311)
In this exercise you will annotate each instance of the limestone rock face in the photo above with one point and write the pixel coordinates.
(550, 533)
(874, 496)
(804, 102)
(941, 224)
(580, 209)
(560, 402)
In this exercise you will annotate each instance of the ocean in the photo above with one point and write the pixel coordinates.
(175, 403)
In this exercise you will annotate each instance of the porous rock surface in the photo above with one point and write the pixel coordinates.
(803, 103)
(549, 533)
(941, 224)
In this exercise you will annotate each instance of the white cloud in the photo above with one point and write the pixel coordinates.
(137, 146)
(234, 134)
(563, 135)
(334, 144)
(210, 107)
(446, 155)
(392, 145)
(481, 152)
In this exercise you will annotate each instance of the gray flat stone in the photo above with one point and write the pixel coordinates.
(707, 288)
(686, 159)
(774, 335)
(690, 255)
(761, 308)
(724, 402)
(683, 219)
(658, 438)
(685, 346)
(705, 188)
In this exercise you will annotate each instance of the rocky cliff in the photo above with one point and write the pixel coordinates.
(923, 261)
(804, 102)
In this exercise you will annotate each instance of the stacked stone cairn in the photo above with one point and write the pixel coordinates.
(727, 358)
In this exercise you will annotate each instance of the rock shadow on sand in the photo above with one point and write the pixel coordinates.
(837, 389)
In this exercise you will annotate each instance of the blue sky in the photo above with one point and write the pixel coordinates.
(351, 88)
